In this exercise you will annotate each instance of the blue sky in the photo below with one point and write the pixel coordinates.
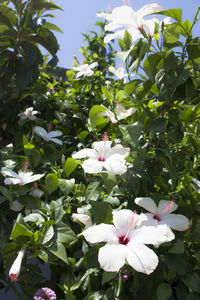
(79, 16)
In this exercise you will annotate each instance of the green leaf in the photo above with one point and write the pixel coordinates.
(7, 16)
(91, 192)
(70, 75)
(150, 65)
(107, 94)
(66, 186)
(135, 131)
(64, 234)
(58, 250)
(174, 13)
(171, 61)
(158, 125)
(193, 48)
(177, 247)
(7, 194)
(51, 182)
(164, 291)
(107, 276)
(95, 296)
(70, 165)
(109, 181)
(45, 38)
(52, 26)
(48, 233)
(40, 5)
(192, 281)
(177, 263)
(127, 40)
(186, 28)
(101, 211)
(96, 121)
(172, 33)
(57, 211)
(19, 230)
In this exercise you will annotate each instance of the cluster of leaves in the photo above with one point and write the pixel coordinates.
(162, 135)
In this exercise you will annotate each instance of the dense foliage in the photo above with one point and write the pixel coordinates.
(156, 110)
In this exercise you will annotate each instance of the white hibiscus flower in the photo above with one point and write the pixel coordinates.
(162, 215)
(104, 156)
(20, 178)
(49, 136)
(125, 242)
(85, 69)
(29, 113)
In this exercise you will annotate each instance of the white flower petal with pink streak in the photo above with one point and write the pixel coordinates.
(21, 178)
(161, 215)
(29, 113)
(125, 241)
(104, 156)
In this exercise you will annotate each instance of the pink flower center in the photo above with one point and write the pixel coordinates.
(156, 217)
(165, 210)
(13, 277)
(123, 240)
(101, 158)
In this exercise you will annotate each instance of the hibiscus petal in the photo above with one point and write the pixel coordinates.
(55, 133)
(112, 257)
(118, 150)
(8, 172)
(102, 147)
(154, 235)
(57, 141)
(123, 113)
(141, 258)
(146, 203)
(175, 221)
(147, 220)
(93, 65)
(12, 181)
(92, 166)
(83, 218)
(115, 166)
(41, 132)
(118, 34)
(85, 153)
(88, 73)
(123, 219)
(166, 207)
(101, 233)
(112, 26)
(149, 9)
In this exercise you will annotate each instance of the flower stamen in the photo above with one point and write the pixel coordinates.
(131, 225)
(105, 139)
